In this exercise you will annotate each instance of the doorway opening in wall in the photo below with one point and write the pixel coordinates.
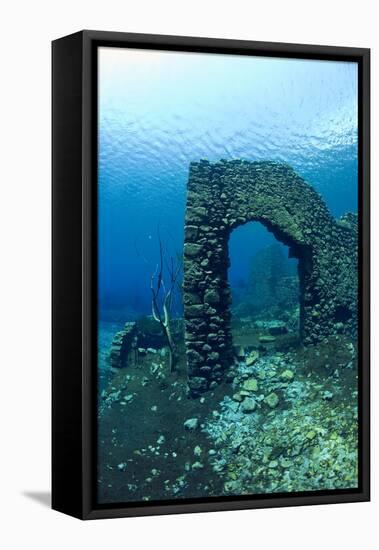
(265, 289)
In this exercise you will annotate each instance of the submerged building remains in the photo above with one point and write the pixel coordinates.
(226, 194)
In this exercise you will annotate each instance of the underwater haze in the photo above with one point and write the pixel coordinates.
(284, 417)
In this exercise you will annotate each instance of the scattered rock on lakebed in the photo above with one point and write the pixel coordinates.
(197, 450)
(248, 405)
(287, 375)
(327, 395)
(271, 400)
(250, 385)
(237, 397)
(191, 424)
(251, 358)
(267, 339)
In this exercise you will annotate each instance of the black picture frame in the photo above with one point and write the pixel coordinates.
(74, 175)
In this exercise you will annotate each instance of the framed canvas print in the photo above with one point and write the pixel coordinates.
(210, 274)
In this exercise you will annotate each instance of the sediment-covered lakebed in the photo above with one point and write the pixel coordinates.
(283, 420)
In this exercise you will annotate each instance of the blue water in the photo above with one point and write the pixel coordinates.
(158, 111)
(294, 425)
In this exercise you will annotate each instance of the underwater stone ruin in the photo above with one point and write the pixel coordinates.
(122, 344)
(226, 194)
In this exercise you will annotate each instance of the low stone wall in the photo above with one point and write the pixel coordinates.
(122, 344)
(224, 195)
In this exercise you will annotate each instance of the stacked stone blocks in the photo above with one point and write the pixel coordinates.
(226, 194)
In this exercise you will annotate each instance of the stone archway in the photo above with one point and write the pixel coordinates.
(226, 194)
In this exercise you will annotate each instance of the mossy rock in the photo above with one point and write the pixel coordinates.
(267, 339)
(250, 385)
(191, 250)
(287, 375)
(252, 357)
(272, 400)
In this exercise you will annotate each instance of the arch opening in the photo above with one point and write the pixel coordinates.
(265, 287)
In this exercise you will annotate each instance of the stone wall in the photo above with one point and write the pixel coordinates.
(223, 195)
(122, 344)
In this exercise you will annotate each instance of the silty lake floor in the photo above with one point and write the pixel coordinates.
(285, 419)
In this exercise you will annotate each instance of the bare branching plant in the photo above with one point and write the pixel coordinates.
(162, 299)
